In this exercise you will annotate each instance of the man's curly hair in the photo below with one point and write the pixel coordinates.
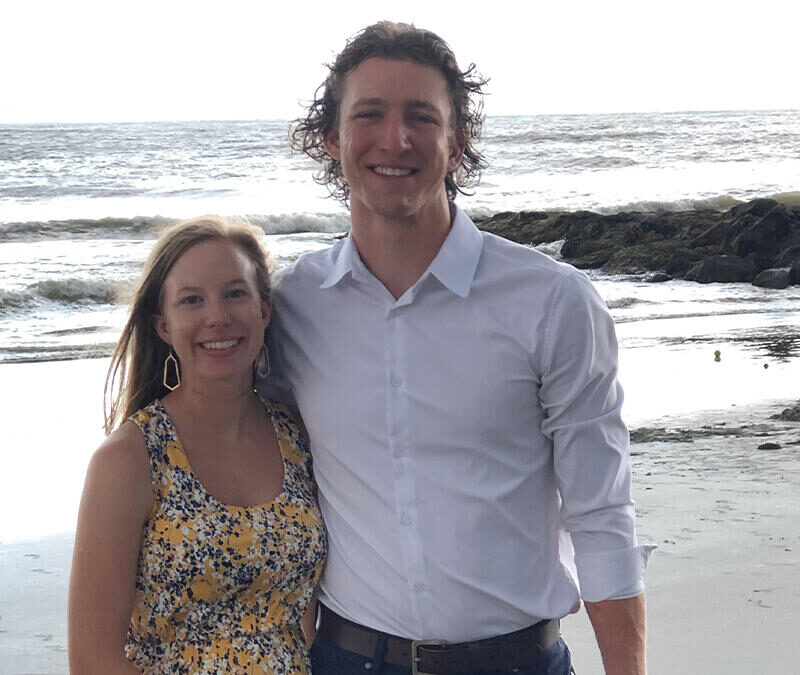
(405, 42)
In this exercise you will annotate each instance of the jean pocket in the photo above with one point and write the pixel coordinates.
(328, 659)
(556, 660)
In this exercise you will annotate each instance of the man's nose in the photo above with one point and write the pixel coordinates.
(395, 133)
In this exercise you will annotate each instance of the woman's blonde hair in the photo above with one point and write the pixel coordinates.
(135, 374)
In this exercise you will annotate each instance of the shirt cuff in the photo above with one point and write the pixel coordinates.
(612, 575)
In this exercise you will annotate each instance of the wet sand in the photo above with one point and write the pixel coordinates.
(52, 413)
(723, 591)
(723, 588)
(33, 605)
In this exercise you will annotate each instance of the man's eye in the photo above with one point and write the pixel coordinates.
(425, 119)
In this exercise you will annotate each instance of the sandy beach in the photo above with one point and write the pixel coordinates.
(723, 592)
(53, 415)
(723, 588)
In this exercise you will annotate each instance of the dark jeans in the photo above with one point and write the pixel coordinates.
(328, 659)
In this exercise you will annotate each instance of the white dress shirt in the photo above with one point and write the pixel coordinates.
(473, 468)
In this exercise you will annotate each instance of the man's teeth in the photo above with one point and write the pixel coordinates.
(390, 171)
(227, 344)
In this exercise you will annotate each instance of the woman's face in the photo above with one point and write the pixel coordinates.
(212, 314)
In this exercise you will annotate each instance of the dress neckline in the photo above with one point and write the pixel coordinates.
(269, 410)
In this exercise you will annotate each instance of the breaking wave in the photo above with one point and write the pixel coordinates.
(63, 291)
(149, 226)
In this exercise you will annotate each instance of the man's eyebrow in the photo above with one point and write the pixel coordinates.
(369, 101)
(427, 105)
(413, 103)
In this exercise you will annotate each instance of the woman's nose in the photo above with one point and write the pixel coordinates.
(218, 314)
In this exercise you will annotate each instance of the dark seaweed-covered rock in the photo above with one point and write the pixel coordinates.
(794, 273)
(772, 278)
(769, 446)
(788, 414)
(722, 268)
(702, 245)
(525, 227)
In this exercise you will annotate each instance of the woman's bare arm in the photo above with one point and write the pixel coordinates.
(309, 621)
(117, 499)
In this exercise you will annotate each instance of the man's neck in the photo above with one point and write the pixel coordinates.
(398, 251)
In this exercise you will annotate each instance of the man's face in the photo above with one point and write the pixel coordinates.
(395, 140)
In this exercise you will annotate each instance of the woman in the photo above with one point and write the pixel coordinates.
(199, 541)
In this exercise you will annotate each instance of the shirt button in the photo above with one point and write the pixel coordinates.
(419, 587)
(395, 381)
(406, 519)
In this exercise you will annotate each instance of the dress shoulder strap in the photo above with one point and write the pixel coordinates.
(291, 434)
(158, 436)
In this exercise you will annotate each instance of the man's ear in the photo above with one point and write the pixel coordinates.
(331, 143)
(457, 145)
(160, 324)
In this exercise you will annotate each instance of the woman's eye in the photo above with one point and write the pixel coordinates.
(191, 300)
(237, 293)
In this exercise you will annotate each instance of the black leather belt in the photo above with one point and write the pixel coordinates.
(435, 657)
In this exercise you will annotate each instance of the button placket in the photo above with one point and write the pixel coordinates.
(399, 427)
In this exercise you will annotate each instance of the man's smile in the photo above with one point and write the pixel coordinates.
(392, 171)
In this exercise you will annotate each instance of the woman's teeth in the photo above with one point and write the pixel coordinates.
(226, 344)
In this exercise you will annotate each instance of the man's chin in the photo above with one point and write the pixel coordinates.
(401, 209)
(387, 209)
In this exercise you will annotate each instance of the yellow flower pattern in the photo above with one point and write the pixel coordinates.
(220, 588)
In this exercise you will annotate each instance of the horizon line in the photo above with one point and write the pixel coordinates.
(168, 120)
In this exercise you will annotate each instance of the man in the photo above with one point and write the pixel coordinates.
(460, 396)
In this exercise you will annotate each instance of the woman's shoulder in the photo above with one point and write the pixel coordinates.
(124, 450)
(120, 470)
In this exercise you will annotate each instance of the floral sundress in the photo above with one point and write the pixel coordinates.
(220, 588)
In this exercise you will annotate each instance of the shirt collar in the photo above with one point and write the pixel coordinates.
(454, 266)
(346, 260)
(457, 261)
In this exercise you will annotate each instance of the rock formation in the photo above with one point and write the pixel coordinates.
(757, 241)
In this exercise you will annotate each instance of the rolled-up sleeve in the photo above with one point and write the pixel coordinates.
(612, 575)
(582, 400)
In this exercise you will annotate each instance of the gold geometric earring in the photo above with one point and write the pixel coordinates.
(171, 357)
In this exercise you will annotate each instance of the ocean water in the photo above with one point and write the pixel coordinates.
(80, 205)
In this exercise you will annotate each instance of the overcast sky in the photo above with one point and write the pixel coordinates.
(120, 60)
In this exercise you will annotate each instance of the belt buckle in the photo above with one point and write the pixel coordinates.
(415, 659)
